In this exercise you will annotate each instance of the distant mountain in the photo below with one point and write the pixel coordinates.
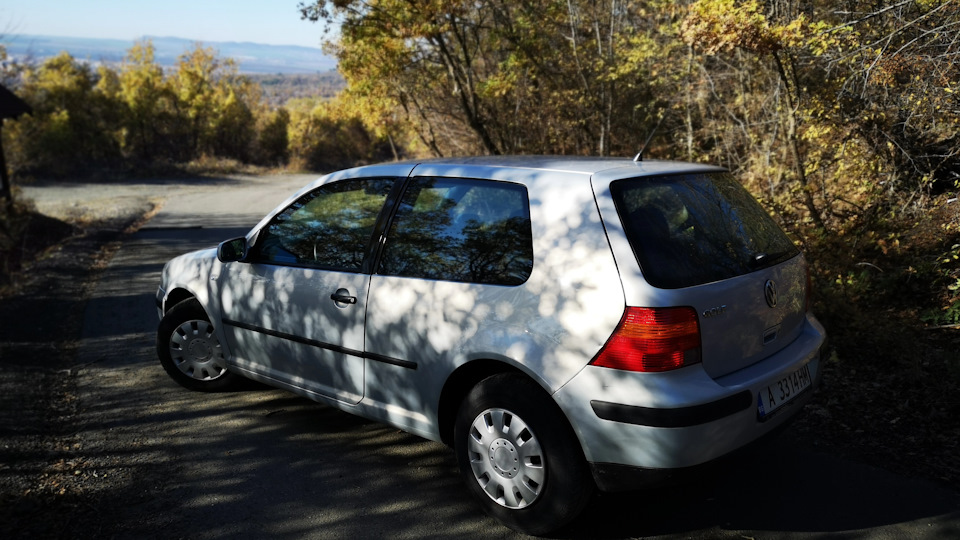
(251, 57)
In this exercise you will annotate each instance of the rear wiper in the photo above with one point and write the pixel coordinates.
(761, 258)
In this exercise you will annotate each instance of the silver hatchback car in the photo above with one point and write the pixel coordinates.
(564, 324)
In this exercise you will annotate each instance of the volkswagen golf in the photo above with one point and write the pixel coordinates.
(564, 324)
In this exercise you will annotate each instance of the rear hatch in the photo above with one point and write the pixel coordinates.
(703, 241)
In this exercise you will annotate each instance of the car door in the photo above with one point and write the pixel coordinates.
(293, 311)
(448, 280)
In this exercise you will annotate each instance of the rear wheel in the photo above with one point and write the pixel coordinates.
(518, 456)
(190, 351)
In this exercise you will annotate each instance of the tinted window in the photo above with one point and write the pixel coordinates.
(329, 227)
(692, 229)
(461, 230)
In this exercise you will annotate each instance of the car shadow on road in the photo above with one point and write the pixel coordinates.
(266, 463)
(786, 489)
(279, 461)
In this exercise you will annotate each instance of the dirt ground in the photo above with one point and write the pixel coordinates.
(44, 469)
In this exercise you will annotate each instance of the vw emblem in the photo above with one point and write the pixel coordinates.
(770, 293)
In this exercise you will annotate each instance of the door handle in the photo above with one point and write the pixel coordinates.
(343, 296)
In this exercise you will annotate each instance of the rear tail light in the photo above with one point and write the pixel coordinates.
(652, 339)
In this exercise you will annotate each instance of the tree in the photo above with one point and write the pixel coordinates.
(193, 83)
(149, 105)
(70, 129)
(214, 106)
(330, 134)
(11, 107)
(859, 102)
(273, 142)
(502, 77)
(716, 26)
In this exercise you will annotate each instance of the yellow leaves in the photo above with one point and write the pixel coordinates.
(927, 5)
(892, 243)
(498, 85)
(142, 53)
(108, 83)
(817, 132)
(723, 25)
(644, 55)
(715, 26)
(792, 34)
(820, 37)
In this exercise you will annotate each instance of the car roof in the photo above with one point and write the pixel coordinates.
(572, 164)
(523, 169)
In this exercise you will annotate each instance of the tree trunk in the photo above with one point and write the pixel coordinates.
(6, 194)
(794, 144)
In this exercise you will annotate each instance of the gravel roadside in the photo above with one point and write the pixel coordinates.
(41, 468)
(69, 466)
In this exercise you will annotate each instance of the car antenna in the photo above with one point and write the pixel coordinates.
(639, 157)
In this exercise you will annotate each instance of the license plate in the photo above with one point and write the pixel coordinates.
(782, 392)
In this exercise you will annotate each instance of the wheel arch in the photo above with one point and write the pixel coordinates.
(456, 387)
(468, 375)
(176, 296)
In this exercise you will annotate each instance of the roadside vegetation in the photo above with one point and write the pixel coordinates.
(138, 119)
(842, 118)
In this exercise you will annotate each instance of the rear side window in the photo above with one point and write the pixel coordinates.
(692, 229)
(449, 229)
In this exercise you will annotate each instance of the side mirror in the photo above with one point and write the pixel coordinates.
(232, 250)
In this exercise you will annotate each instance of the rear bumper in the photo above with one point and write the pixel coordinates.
(641, 427)
(613, 477)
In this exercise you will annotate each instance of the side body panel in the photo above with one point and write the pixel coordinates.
(549, 327)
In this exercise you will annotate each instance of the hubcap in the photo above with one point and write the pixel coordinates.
(506, 458)
(196, 351)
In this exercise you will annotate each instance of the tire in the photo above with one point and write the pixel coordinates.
(190, 351)
(519, 457)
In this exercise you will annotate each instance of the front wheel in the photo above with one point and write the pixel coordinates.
(190, 351)
(518, 456)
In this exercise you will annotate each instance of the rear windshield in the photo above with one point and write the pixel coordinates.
(691, 229)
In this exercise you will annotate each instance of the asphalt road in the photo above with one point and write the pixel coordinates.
(265, 463)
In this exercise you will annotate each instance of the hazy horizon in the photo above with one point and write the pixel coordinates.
(238, 21)
(16, 39)
(251, 57)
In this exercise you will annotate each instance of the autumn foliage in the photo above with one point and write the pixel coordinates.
(138, 118)
(825, 111)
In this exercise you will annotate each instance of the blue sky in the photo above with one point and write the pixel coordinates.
(275, 22)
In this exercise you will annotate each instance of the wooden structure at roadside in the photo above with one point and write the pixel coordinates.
(10, 107)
